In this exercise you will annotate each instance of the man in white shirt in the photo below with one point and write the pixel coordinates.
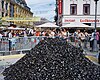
(1, 35)
(91, 40)
(10, 35)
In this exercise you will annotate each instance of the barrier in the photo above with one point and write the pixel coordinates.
(4, 44)
(21, 44)
(18, 44)
(24, 43)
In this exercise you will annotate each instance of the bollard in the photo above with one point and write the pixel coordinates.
(99, 58)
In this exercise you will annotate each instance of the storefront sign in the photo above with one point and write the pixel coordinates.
(21, 19)
(81, 20)
(60, 7)
(69, 20)
(88, 20)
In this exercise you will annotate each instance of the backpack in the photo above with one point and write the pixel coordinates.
(74, 33)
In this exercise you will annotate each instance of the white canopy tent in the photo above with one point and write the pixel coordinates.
(77, 25)
(98, 26)
(1, 27)
(17, 28)
(46, 25)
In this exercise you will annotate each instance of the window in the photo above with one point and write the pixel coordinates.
(6, 5)
(86, 0)
(73, 9)
(2, 4)
(2, 14)
(6, 14)
(86, 9)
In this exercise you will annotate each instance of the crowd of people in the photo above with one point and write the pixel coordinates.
(77, 35)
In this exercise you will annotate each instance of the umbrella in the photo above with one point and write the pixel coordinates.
(77, 25)
(48, 25)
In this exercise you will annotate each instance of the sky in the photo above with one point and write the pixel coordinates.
(43, 8)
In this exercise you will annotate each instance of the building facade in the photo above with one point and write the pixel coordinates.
(83, 11)
(14, 8)
(21, 10)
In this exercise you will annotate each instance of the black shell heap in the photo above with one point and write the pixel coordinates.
(53, 59)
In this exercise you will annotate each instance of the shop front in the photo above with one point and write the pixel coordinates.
(88, 20)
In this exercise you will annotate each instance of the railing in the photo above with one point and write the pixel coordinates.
(18, 44)
(4, 44)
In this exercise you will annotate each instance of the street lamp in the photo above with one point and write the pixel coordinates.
(95, 40)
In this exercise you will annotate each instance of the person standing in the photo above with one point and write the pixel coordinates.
(86, 39)
(67, 35)
(10, 35)
(99, 58)
(10, 39)
(75, 36)
(91, 40)
(0, 40)
(97, 37)
(1, 35)
(30, 33)
(25, 37)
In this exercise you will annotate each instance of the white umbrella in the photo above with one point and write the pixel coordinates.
(47, 25)
(77, 25)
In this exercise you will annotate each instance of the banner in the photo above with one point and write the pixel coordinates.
(59, 7)
(21, 19)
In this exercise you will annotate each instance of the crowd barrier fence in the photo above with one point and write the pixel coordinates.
(19, 44)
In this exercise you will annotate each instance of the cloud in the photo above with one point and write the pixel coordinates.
(30, 2)
(42, 8)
